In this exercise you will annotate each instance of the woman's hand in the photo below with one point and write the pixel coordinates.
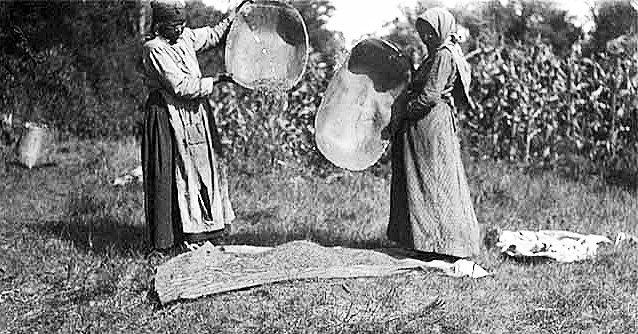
(391, 129)
(224, 77)
(239, 7)
(233, 13)
(396, 120)
(386, 133)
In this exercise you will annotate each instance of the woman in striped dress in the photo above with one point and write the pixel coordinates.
(431, 209)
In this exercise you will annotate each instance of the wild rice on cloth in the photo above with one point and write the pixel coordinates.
(212, 270)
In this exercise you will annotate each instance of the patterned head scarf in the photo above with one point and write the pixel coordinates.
(168, 12)
(444, 24)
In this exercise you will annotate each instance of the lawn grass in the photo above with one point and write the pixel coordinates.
(72, 255)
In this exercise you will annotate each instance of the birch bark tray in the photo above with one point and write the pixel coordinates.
(357, 103)
(267, 45)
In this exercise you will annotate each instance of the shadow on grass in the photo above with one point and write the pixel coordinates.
(625, 179)
(529, 260)
(104, 236)
(321, 237)
(327, 238)
(18, 164)
(265, 228)
(55, 315)
(101, 220)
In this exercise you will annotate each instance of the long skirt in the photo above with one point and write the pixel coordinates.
(430, 205)
(159, 154)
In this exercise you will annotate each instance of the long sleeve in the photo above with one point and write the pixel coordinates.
(208, 37)
(437, 77)
(160, 65)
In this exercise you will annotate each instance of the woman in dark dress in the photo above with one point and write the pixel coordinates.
(185, 186)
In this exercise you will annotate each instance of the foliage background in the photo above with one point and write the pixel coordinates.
(547, 93)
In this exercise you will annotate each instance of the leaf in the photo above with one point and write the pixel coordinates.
(595, 94)
(620, 112)
(623, 92)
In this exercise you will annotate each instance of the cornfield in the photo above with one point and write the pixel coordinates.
(535, 107)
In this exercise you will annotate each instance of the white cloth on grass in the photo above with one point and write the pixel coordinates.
(562, 246)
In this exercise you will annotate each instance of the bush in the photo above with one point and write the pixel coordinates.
(42, 87)
(50, 89)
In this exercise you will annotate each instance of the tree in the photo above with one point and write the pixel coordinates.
(316, 15)
(199, 15)
(323, 41)
(72, 64)
(519, 21)
(492, 22)
(402, 32)
(613, 18)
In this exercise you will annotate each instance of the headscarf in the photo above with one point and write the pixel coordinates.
(444, 25)
(168, 11)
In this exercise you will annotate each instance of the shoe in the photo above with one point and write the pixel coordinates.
(159, 256)
(156, 257)
(198, 239)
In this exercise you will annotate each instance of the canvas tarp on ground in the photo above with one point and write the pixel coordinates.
(211, 270)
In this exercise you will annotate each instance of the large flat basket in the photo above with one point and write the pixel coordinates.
(267, 45)
(357, 104)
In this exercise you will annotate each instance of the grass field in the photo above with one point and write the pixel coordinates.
(72, 255)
